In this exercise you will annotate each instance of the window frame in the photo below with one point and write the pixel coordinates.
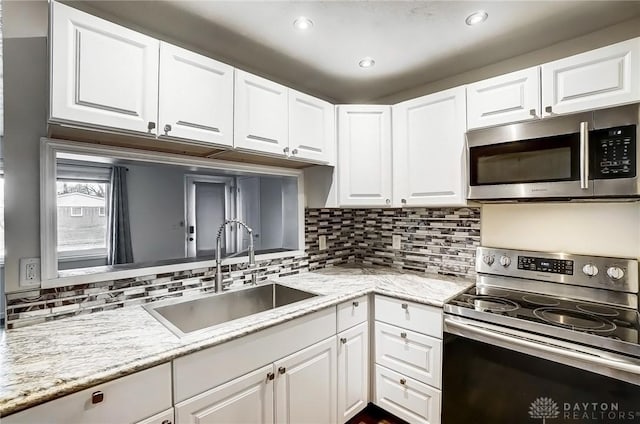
(78, 215)
(51, 277)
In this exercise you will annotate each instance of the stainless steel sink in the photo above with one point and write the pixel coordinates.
(184, 317)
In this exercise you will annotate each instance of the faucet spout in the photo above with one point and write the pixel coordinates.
(252, 256)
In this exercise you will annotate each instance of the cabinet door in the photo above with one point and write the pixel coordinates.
(102, 74)
(306, 387)
(364, 155)
(165, 417)
(353, 371)
(507, 98)
(429, 150)
(247, 399)
(600, 78)
(196, 97)
(261, 122)
(409, 399)
(311, 128)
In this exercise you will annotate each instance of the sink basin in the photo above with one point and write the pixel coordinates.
(187, 316)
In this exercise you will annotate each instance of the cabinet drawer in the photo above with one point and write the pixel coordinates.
(125, 400)
(352, 312)
(165, 417)
(409, 399)
(201, 371)
(413, 316)
(410, 353)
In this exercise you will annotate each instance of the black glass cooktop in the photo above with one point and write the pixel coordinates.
(584, 317)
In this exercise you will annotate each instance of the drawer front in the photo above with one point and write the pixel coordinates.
(412, 316)
(165, 417)
(412, 354)
(204, 370)
(125, 400)
(353, 313)
(409, 399)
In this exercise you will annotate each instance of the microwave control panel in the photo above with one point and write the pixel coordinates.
(615, 152)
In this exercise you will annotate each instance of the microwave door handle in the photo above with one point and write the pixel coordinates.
(584, 155)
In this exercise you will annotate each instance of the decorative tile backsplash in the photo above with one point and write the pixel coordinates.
(432, 240)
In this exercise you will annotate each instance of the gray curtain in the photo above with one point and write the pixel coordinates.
(120, 250)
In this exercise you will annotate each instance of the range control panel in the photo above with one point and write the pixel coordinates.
(556, 266)
(620, 274)
(615, 152)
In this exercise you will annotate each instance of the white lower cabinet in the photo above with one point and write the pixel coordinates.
(247, 399)
(407, 398)
(129, 399)
(306, 385)
(353, 371)
(164, 417)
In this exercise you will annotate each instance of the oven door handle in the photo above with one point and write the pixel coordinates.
(618, 368)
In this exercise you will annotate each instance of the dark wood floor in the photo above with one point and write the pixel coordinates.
(374, 415)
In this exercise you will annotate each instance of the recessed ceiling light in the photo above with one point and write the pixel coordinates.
(303, 23)
(476, 17)
(366, 62)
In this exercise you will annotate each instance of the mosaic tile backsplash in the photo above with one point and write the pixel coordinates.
(432, 240)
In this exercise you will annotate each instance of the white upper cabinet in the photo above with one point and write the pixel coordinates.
(429, 150)
(196, 97)
(364, 155)
(261, 111)
(506, 98)
(102, 74)
(311, 128)
(605, 77)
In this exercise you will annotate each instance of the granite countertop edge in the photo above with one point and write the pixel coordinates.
(187, 345)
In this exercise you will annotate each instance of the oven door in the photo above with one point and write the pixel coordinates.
(495, 375)
(531, 160)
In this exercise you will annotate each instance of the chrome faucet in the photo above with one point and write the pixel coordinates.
(252, 255)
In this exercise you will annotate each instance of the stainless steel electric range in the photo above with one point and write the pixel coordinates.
(553, 326)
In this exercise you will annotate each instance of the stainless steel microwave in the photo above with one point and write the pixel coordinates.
(579, 156)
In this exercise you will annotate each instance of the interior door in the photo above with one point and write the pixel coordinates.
(210, 201)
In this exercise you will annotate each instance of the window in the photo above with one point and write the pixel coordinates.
(82, 221)
(1, 218)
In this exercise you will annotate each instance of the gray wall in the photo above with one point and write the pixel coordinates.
(156, 211)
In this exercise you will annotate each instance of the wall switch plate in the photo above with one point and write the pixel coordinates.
(29, 272)
(322, 242)
(397, 239)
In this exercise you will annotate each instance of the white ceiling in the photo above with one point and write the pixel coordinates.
(413, 42)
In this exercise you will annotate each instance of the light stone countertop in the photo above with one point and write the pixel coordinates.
(46, 361)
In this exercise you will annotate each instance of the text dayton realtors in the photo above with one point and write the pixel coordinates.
(597, 411)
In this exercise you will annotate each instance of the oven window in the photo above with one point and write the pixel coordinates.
(485, 384)
(529, 161)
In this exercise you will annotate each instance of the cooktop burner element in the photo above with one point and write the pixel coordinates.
(492, 304)
(598, 310)
(575, 320)
(540, 300)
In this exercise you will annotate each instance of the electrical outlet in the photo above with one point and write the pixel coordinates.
(397, 239)
(29, 272)
(322, 242)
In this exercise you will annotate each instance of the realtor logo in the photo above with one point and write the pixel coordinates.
(543, 408)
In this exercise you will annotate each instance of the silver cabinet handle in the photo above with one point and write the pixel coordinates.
(167, 128)
(403, 201)
(548, 109)
(286, 150)
(533, 113)
(584, 155)
(403, 335)
(405, 306)
(282, 370)
(270, 376)
(343, 340)
(356, 304)
(151, 126)
(166, 422)
(97, 397)
(403, 381)
(388, 201)
(294, 152)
